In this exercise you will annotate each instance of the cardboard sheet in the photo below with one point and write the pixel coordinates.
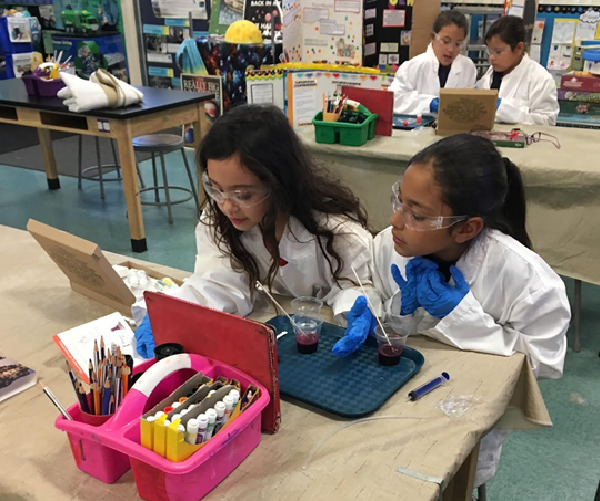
(85, 266)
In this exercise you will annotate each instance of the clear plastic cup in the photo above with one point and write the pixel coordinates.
(307, 305)
(307, 330)
(392, 345)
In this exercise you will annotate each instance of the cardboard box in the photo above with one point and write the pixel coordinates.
(86, 267)
(466, 110)
(424, 14)
(580, 81)
(577, 108)
(581, 97)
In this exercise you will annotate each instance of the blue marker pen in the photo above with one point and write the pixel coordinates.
(417, 393)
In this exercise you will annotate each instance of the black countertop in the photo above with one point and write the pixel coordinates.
(13, 93)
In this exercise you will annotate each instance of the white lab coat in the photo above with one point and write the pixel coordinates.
(417, 82)
(215, 284)
(528, 94)
(516, 303)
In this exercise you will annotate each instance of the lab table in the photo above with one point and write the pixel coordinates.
(405, 450)
(160, 109)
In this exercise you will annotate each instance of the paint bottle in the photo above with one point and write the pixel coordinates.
(202, 428)
(211, 414)
(220, 409)
(235, 394)
(228, 401)
(192, 431)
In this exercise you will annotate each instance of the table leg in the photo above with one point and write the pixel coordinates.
(130, 186)
(460, 487)
(48, 158)
(202, 125)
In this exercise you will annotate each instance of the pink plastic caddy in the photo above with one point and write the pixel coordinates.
(106, 451)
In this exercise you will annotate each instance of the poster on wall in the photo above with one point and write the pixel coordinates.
(323, 31)
(213, 108)
(223, 13)
(264, 13)
(230, 61)
(181, 9)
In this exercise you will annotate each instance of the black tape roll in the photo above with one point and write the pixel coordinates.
(167, 349)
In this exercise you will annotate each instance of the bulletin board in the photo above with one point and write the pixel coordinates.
(586, 23)
(323, 31)
(305, 90)
(387, 33)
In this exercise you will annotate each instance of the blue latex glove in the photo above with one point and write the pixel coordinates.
(145, 339)
(434, 105)
(498, 103)
(437, 296)
(361, 323)
(408, 288)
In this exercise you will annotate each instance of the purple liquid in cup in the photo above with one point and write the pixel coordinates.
(307, 343)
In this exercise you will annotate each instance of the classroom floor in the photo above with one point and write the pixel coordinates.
(558, 464)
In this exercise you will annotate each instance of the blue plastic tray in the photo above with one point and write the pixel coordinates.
(398, 121)
(351, 387)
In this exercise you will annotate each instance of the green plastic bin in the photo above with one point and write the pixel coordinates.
(345, 133)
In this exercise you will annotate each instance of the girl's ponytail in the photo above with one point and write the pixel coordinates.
(513, 209)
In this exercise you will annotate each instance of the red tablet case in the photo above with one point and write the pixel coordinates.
(244, 344)
(376, 101)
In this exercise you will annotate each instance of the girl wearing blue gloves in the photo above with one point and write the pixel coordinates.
(271, 216)
(458, 258)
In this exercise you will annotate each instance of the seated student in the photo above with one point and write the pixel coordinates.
(526, 91)
(459, 259)
(274, 217)
(416, 85)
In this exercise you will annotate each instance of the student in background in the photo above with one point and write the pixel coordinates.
(271, 216)
(458, 258)
(526, 91)
(417, 82)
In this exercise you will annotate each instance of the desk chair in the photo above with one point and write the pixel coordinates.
(99, 168)
(161, 144)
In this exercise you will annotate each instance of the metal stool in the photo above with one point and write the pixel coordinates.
(161, 144)
(100, 169)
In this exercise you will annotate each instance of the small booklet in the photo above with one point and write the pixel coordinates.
(14, 377)
(77, 344)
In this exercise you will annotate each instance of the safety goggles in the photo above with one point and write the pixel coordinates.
(496, 52)
(243, 197)
(538, 137)
(415, 221)
(447, 42)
